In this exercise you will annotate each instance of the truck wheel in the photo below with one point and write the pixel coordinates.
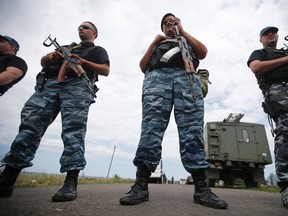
(211, 182)
(249, 182)
(229, 182)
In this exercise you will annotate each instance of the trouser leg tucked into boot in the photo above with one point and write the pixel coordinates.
(7, 180)
(139, 191)
(69, 190)
(203, 194)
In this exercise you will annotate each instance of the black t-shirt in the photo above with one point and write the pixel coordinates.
(88, 51)
(276, 74)
(11, 61)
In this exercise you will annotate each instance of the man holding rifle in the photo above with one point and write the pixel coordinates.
(170, 80)
(270, 67)
(72, 98)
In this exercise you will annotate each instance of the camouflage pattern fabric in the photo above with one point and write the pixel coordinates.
(278, 93)
(73, 100)
(162, 89)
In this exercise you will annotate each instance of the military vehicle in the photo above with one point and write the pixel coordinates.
(236, 150)
(157, 176)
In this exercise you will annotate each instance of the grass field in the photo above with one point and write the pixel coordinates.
(44, 180)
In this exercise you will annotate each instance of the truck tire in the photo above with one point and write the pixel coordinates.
(211, 182)
(249, 181)
(229, 182)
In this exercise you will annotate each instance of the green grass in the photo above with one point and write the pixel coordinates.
(271, 189)
(45, 180)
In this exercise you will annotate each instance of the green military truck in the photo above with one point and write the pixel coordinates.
(236, 150)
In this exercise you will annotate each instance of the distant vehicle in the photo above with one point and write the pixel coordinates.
(236, 149)
(189, 180)
(182, 181)
(157, 176)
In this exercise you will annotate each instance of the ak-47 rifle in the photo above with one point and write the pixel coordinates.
(70, 62)
(278, 53)
(285, 49)
(188, 63)
(187, 58)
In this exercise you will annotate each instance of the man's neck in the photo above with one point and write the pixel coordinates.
(269, 47)
(7, 53)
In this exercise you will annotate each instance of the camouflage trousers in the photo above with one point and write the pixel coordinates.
(164, 89)
(72, 100)
(278, 93)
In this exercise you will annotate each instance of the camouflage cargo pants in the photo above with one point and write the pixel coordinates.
(72, 99)
(278, 93)
(163, 89)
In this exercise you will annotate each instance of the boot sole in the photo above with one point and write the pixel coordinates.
(126, 202)
(5, 194)
(62, 199)
(211, 206)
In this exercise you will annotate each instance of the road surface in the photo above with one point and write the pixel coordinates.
(165, 200)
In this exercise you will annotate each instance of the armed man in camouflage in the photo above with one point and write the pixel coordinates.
(167, 84)
(270, 66)
(72, 99)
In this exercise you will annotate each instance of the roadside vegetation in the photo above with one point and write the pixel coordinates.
(45, 180)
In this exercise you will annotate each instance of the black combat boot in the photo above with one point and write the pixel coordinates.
(7, 180)
(203, 194)
(139, 191)
(69, 190)
(284, 197)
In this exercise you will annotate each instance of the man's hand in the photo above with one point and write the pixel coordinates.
(78, 58)
(56, 57)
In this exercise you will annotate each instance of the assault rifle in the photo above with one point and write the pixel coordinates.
(284, 50)
(286, 38)
(187, 58)
(70, 62)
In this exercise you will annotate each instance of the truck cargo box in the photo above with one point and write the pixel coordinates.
(236, 149)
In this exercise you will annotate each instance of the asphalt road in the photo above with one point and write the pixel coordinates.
(165, 200)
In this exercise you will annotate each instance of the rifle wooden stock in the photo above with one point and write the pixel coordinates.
(61, 74)
(77, 68)
(80, 70)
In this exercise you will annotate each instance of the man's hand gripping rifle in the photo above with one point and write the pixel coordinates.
(70, 62)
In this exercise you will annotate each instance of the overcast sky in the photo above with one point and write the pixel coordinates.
(229, 28)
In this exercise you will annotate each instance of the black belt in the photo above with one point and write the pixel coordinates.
(158, 67)
(279, 81)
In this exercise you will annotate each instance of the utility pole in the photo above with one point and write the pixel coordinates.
(111, 162)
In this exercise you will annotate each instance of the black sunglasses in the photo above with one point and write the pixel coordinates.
(85, 27)
(165, 22)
